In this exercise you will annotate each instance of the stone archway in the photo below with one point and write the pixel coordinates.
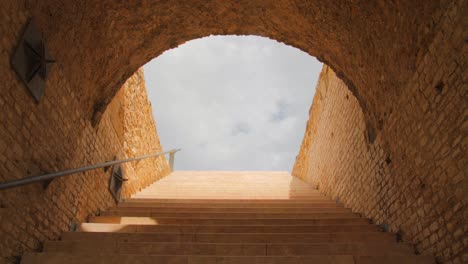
(372, 45)
(403, 61)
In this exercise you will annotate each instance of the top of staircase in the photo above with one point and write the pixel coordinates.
(229, 185)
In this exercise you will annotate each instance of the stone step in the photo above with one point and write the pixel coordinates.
(144, 203)
(348, 237)
(230, 210)
(60, 258)
(226, 221)
(188, 191)
(249, 215)
(266, 189)
(228, 249)
(227, 196)
(228, 192)
(230, 218)
(184, 229)
(247, 202)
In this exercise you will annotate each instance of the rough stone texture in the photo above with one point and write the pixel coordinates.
(394, 57)
(140, 137)
(98, 44)
(43, 138)
(412, 178)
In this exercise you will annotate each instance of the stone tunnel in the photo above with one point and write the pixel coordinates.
(386, 135)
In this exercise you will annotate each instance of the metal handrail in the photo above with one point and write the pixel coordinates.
(50, 176)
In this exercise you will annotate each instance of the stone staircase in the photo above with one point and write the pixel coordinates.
(227, 217)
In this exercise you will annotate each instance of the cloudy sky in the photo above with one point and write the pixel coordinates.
(232, 103)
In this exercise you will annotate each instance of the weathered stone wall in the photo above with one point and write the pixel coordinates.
(100, 43)
(140, 137)
(404, 60)
(412, 178)
(54, 135)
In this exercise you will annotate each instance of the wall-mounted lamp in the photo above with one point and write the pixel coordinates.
(32, 61)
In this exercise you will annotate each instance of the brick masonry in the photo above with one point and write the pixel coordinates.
(404, 63)
(53, 139)
(412, 178)
(372, 45)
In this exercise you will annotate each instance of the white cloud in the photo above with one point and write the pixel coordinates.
(232, 103)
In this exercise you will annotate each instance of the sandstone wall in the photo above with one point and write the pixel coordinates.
(406, 60)
(412, 178)
(38, 138)
(100, 43)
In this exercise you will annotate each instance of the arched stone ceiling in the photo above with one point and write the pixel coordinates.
(372, 45)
